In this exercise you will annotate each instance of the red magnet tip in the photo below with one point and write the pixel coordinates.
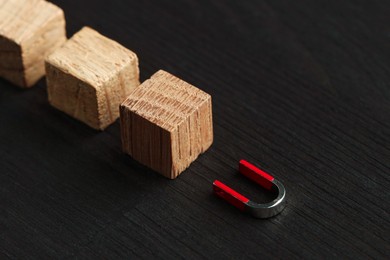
(230, 195)
(255, 174)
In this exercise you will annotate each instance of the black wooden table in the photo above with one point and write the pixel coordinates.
(300, 88)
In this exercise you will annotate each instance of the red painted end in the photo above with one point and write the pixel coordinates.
(230, 195)
(255, 174)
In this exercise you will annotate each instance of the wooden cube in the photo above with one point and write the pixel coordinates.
(29, 30)
(90, 76)
(166, 124)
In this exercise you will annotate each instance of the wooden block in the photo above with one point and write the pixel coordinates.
(29, 30)
(166, 123)
(90, 76)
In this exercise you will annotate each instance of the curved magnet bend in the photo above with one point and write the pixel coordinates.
(262, 178)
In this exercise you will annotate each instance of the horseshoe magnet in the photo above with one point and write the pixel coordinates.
(262, 178)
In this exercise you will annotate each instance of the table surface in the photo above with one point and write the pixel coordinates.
(300, 88)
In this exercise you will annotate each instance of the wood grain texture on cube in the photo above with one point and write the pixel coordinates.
(29, 31)
(90, 76)
(166, 123)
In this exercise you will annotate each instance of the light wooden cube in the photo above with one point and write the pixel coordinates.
(29, 30)
(90, 76)
(166, 124)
